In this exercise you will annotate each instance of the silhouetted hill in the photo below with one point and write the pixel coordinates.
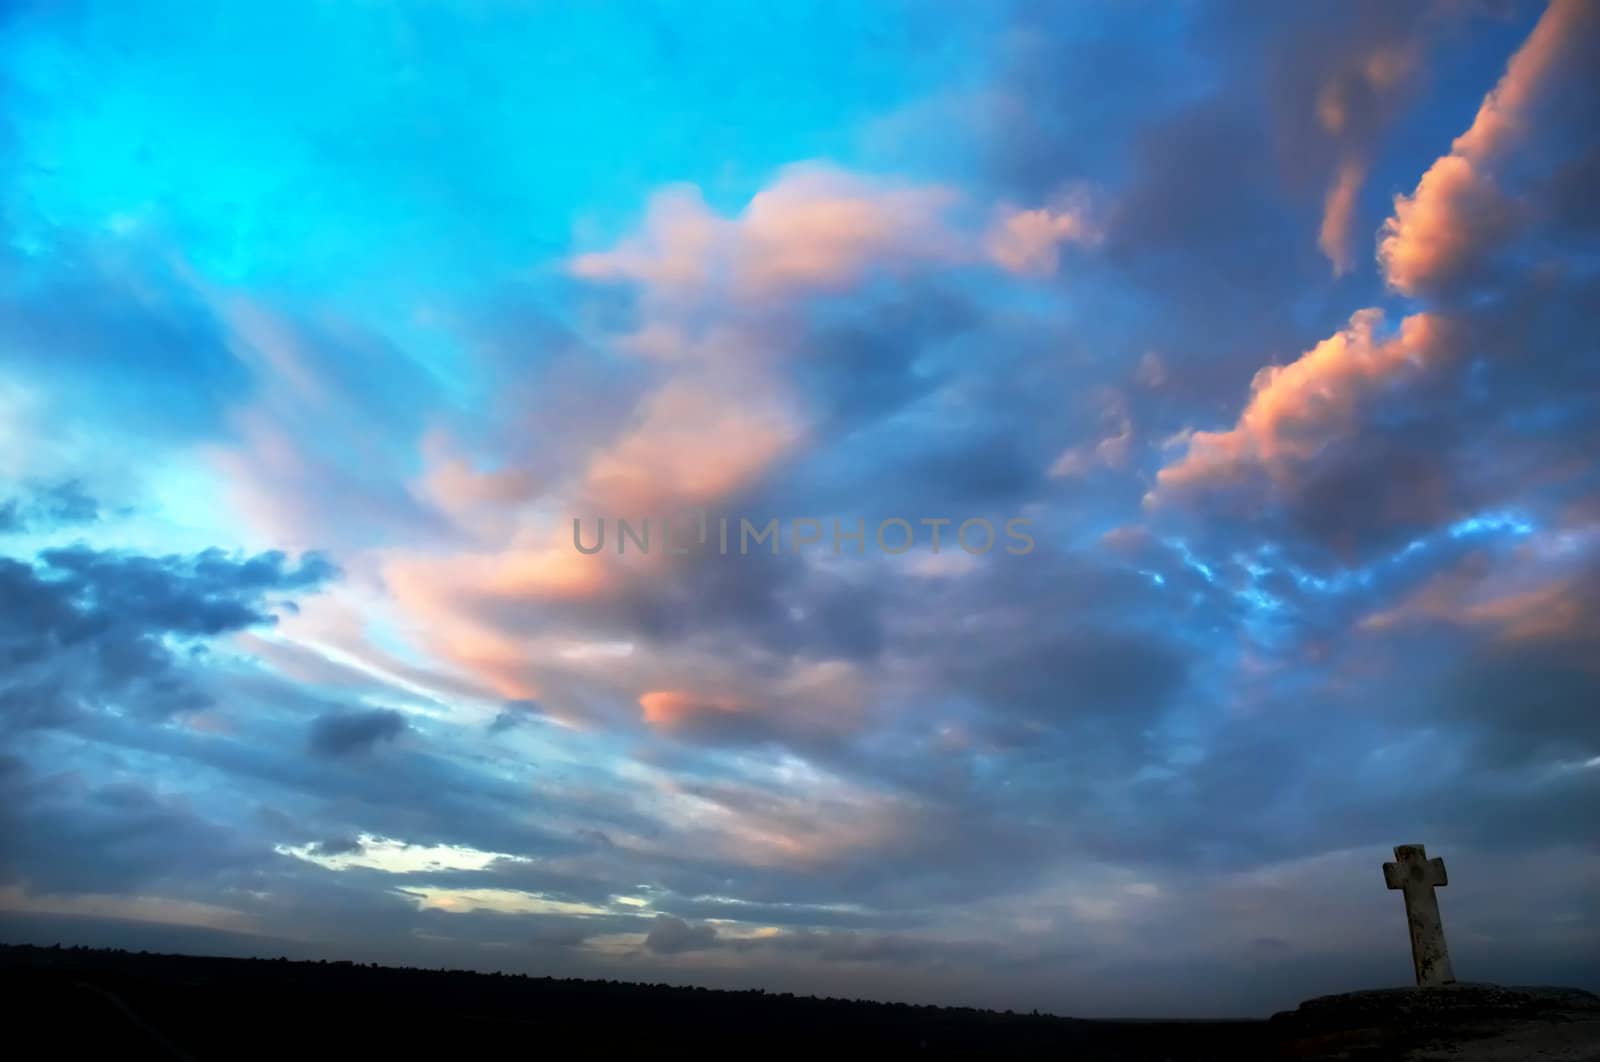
(96, 1003)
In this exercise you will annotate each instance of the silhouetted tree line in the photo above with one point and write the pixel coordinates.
(153, 1005)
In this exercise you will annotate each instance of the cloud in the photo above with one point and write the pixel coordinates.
(1111, 450)
(1425, 424)
(672, 936)
(93, 630)
(695, 440)
(1029, 242)
(354, 733)
(671, 707)
(1337, 214)
(326, 445)
(336, 846)
(1297, 410)
(814, 228)
(513, 715)
(49, 506)
(1357, 605)
(1443, 230)
(1202, 187)
(1365, 64)
(1564, 33)
(817, 228)
(1459, 214)
(143, 838)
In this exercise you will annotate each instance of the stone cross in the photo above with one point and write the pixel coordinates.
(1417, 875)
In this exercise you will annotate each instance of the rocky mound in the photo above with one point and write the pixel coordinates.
(1462, 1022)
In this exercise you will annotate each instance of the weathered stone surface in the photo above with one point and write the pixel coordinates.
(1417, 876)
(1462, 1021)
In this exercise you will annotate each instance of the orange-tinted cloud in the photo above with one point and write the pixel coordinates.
(1544, 592)
(1028, 242)
(668, 708)
(1439, 231)
(1111, 450)
(1504, 111)
(451, 601)
(801, 818)
(815, 696)
(820, 228)
(1350, 107)
(815, 228)
(456, 485)
(1295, 409)
(1337, 213)
(693, 441)
(1457, 211)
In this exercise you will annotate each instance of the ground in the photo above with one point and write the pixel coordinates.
(1460, 1023)
(95, 1003)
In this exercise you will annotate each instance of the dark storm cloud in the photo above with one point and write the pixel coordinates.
(772, 603)
(864, 363)
(419, 795)
(354, 733)
(972, 470)
(1063, 634)
(1484, 743)
(61, 833)
(1530, 703)
(1519, 683)
(514, 714)
(337, 846)
(85, 629)
(669, 936)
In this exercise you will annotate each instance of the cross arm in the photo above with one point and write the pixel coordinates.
(1412, 866)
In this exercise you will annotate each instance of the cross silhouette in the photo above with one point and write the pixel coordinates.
(1416, 876)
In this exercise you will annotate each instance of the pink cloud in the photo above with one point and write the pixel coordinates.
(1505, 110)
(1029, 242)
(817, 696)
(821, 228)
(1457, 211)
(694, 440)
(456, 485)
(1441, 229)
(1542, 592)
(668, 708)
(1350, 107)
(1295, 409)
(802, 819)
(677, 250)
(284, 491)
(816, 228)
(1111, 450)
(1337, 213)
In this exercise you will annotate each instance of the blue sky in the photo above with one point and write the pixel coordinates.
(320, 322)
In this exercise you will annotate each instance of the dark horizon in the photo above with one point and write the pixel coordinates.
(1289, 986)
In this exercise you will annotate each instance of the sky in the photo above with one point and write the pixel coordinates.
(1274, 325)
